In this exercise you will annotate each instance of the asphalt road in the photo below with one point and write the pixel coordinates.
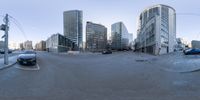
(120, 76)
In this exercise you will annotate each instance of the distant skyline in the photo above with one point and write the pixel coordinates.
(42, 18)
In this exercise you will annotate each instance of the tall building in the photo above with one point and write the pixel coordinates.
(119, 36)
(28, 45)
(73, 27)
(96, 37)
(157, 30)
(131, 37)
(130, 43)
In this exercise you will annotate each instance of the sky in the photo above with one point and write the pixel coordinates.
(37, 20)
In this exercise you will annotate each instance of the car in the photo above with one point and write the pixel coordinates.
(191, 51)
(106, 52)
(27, 58)
(3, 52)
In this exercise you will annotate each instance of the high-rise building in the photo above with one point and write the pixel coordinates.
(96, 37)
(73, 27)
(131, 37)
(157, 30)
(119, 36)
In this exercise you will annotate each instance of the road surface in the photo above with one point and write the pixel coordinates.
(119, 76)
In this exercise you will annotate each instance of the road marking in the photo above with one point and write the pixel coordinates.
(28, 68)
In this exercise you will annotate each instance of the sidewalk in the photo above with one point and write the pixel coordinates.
(178, 62)
(12, 61)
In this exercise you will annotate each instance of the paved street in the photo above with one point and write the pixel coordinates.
(87, 76)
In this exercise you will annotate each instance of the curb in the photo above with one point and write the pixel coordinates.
(7, 66)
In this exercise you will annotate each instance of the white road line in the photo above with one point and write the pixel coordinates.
(28, 68)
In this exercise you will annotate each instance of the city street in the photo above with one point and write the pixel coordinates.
(88, 76)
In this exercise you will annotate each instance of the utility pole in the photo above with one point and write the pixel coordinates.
(6, 20)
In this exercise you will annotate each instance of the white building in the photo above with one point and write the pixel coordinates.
(157, 30)
(181, 44)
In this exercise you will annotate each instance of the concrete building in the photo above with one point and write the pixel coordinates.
(96, 37)
(119, 36)
(41, 46)
(84, 45)
(28, 45)
(21, 46)
(181, 44)
(131, 37)
(58, 43)
(195, 44)
(157, 30)
(130, 43)
(73, 27)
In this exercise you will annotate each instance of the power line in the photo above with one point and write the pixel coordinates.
(19, 26)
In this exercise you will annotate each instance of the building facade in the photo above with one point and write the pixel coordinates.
(195, 44)
(1, 44)
(96, 37)
(119, 36)
(73, 27)
(41, 46)
(28, 45)
(156, 32)
(58, 43)
(21, 46)
(181, 44)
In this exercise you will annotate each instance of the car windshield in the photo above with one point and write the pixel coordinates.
(29, 52)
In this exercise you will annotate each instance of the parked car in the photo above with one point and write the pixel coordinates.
(106, 52)
(191, 51)
(27, 58)
(3, 52)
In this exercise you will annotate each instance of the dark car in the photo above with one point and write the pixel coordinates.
(27, 58)
(106, 52)
(191, 51)
(3, 52)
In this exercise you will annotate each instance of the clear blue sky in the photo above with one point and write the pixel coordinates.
(41, 18)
